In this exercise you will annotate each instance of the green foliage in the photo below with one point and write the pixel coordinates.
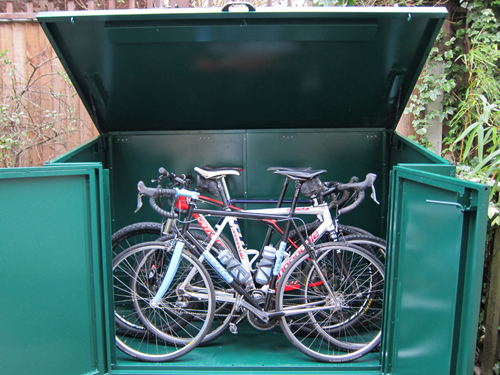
(26, 126)
(366, 3)
(469, 88)
(474, 134)
(437, 82)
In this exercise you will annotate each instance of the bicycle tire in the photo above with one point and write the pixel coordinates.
(161, 346)
(324, 335)
(376, 245)
(134, 234)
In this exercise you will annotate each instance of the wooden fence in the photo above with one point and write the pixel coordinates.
(48, 117)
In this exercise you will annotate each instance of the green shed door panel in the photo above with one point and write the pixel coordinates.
(52, 311)
(432, 291)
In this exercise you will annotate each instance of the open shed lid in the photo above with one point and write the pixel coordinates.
(205, 68)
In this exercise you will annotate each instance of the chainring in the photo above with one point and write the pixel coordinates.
(256, 322)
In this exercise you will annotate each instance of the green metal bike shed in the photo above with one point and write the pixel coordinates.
(179, 88)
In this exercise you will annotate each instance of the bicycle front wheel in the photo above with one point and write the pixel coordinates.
(182, 318)
(324, 302)
(135, 234)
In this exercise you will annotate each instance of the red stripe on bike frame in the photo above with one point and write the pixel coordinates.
(272, 222)
(207, 228)
(218, 203)
(297, 286)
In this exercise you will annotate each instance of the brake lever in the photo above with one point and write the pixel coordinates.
(139, 202)
(373, 195)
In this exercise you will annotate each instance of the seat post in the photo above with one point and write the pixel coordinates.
(298, 185)
(224, 186)
(223, 191)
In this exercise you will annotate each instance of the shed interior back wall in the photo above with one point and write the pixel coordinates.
(342, 152)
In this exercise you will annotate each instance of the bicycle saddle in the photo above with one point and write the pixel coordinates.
(289, 169)
(299, 173)
(209, 172)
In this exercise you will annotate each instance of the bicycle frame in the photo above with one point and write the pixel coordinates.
(271, 215)
(244, 299)
(274, 214)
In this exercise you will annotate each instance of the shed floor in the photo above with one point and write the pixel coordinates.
(249, 351)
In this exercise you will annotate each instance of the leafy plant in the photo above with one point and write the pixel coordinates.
(477, 120)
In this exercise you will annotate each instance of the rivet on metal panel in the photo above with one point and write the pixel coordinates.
(288, 136)
(205, 138)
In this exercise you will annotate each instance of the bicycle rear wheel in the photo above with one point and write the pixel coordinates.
(184, 315)
(329, 324)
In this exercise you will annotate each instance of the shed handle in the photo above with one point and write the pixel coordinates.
(228, 5)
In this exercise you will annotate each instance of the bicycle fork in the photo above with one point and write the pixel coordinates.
(169, 276)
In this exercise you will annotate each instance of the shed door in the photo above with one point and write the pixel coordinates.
(52, 294)
(434, 269)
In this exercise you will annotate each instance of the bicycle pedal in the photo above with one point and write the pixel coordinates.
(233, 328)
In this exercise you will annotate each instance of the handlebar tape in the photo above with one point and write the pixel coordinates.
(344, 197)
(155, 192)
(359, 186)
(159, 210)
(152, 194)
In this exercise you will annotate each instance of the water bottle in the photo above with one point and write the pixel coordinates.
(234, 267)
(265, 265)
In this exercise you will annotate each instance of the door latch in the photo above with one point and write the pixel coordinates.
(456, 204)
